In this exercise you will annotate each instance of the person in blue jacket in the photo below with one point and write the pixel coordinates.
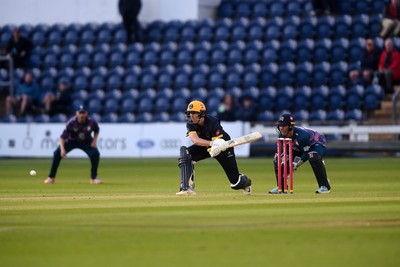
(308, 144)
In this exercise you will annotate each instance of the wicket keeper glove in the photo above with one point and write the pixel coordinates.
(214, 151)
(297, 163)
(221, 143)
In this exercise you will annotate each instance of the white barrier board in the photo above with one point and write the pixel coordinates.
(115, 140)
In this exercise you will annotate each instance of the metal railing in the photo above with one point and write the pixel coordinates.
(10, 81)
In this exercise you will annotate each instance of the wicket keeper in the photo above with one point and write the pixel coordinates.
(80, 132)
(209, 140)
(309, 145)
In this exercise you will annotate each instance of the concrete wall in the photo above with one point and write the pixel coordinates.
(82, 11)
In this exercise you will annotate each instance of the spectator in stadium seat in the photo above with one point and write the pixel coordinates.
(26, 97)
(389, 67)
(19, 48)
(60, 101)
(247, 109)
(391, 19)
(369, 64)
(129, 10)
(227, 109)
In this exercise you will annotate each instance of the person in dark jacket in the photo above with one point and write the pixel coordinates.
(129, 10)
(19, 48)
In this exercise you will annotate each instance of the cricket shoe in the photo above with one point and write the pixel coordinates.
(323, 190)
(274, 191)
(49, 180)
(188, 192)
(247, 190)
(96, 181)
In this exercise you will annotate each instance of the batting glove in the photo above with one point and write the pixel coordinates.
(215, 151)
(221, 143)
(297, 162)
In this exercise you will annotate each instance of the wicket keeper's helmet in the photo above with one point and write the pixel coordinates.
(286, 119)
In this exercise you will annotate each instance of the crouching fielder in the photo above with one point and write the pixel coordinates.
(309, 145)
(209, 140)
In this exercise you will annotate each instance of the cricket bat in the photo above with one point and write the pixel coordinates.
(248, 138)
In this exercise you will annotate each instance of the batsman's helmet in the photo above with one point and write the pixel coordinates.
(196, 106)
(286, 119)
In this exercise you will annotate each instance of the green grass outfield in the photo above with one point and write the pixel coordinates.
(135, 219)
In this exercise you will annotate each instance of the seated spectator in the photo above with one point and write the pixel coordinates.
(369, 65)
(389, 67)
(247, 110)
(391, 19)
(26, 97)
(19, 48)
(227, 109)
(60, 101)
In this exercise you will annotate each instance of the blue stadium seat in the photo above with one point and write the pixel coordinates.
(217, 92)
(147, 80)
(363, 7)
(172, 31)
(127, 118)
(242, 9)
(154, 31)
(215, 79)
(301, 98)
(371, 102)
(287, 51)
(181, 80)
(128, 105)
(188, 33)
(178, 117)
(54, 38)
(144, 117)
(360, 26)
(238, 33)
(225, 9)
(114, 82)
(319, 97)
(265, 116)
(356, 49)
(269, 55)
(322, 50)
(354, 97)
(80, 83)
(205, 33)
(277, 9)
(200, 57)
(120, 36)
(94, 106)
(274, 29)
(116, 59)
(307, 27)
(325, 27)
(256, 32)
(301, 115)
(42, 118)
(339, 73)
(164, 80)
(375, 90)
(259, 9)
(354, 115)
(317, 116)
(233, 79)
(339, 50)
(82, 60)
(104, 36)
(145, 105)
(284, 98)
(110, 118)
(303, 73)
(111, 106)
(198, 80)
(336, 115)
(97, 82)
(250, 79)
(199, 94)
(212, 104)
(38, 38)
(342, 26)
(179, 105)
(321, 73)
(87, 37)
(161, 117)
(161, 105)
(336, 97)
(59, 118)
(294, 8)
(286, 74)
(268, 76)
(374, 26)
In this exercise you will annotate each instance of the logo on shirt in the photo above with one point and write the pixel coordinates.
(306, 148)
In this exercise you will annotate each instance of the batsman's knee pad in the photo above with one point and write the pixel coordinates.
(242, 183)
(186, 167)
(319, 169)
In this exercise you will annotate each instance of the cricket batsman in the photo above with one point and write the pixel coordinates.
(209, 140)
(309, 145)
